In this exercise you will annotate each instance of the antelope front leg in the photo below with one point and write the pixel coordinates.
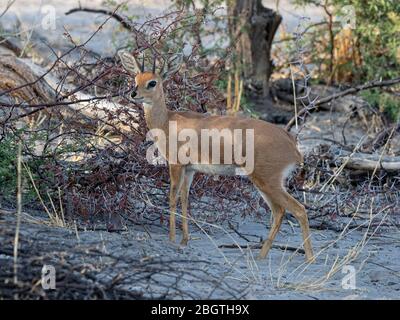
(184, 201)
(176, 174)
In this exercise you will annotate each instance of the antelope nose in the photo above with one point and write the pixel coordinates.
(133, 94)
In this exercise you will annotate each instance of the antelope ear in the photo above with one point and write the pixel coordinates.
(129, 62)
(173, 65)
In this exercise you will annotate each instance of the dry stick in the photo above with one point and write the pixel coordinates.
(333, 178)
(305, 30)
(236, 88)
(29, 37)
(361, 87)
(379, 162)
(10, 45)
(19, 209)
(294, 98)
(259, 246)
(61, 207)
(66, 53)
(8, 6)
(229, 94)
(237, 232)
(306, 264)
(124, 21)
(28, 171)
(196, 222)
(352, 253)
(239, 95)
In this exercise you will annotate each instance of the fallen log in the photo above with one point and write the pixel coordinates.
(24, 84)
(370, 162)
(18, 82)
(11, 44)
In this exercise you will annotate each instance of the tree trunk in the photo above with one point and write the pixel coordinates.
(252, 28)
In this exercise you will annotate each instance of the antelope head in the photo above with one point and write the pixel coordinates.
(148, 85)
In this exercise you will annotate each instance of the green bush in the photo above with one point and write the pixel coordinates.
(385, 102)
(377, 29)
(8, 172)
(8, 177)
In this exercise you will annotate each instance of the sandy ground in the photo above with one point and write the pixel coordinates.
(373, 254)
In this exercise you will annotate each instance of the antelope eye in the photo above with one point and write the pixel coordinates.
(151, 84)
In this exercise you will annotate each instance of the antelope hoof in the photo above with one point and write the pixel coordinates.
(310, 259)
(184, 242)
(261, 257)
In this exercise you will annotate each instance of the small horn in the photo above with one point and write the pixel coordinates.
(154, 64)
(142, 69)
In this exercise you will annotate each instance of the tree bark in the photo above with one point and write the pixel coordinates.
(372, 162)
(252, 28)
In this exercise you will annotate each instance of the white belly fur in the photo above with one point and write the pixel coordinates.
(214, 169)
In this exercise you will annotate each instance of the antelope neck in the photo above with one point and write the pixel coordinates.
(156, 113)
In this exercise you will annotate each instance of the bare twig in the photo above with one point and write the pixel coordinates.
(19, 209)
(365, 86)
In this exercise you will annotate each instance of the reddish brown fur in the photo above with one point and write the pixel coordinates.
(142, 78)
(275, 151)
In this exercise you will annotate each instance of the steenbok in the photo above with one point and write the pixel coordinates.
(265, 153)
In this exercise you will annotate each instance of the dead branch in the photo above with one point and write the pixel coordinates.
(14, 73)
(124, 21)
(258, 246)
(88, 272)
(11, 45)
(8, 6)
(368, 162)
(365, 86)
(380, 139)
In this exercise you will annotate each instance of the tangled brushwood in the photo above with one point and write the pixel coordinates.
(83, 137)
(94, 270)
